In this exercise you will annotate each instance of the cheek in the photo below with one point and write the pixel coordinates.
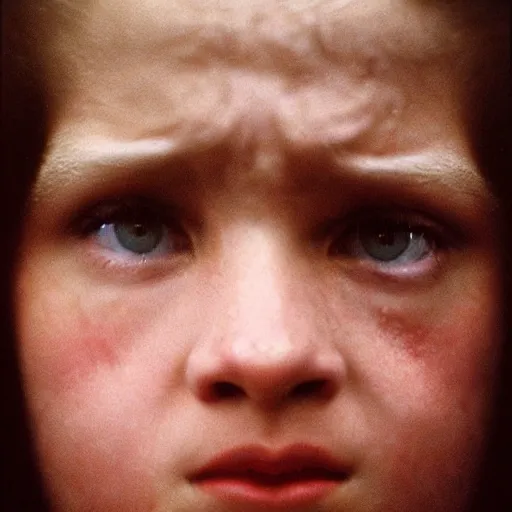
(431, 384)
(94, 450)
(95, 394)
(445, 340)
(71, 329)
(430, 467)
(64, 341)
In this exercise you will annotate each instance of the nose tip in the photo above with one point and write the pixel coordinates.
(294, 376)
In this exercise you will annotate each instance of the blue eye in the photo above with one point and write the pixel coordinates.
(135, 229)
(392, 243)
(139, 238)
(386, 242)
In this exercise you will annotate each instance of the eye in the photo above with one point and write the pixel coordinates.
(134, 229)
(387, 240)
(137, 237)
(392, 242)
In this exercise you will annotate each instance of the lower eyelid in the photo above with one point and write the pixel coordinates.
(106, 264)
(426, 268)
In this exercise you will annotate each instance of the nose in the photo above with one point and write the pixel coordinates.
(269, 344)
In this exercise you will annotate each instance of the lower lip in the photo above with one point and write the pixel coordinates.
(278, 497)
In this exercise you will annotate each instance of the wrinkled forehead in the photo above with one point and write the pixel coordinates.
(412, 42)
(256, 20)
(264, 32)
(410, 29)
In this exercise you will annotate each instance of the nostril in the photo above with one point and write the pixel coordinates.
(311, 388)
(224, 390)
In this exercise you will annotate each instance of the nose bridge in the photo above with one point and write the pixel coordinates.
(257, 290)
(261, 347)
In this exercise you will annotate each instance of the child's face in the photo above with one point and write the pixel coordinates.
(259, 226)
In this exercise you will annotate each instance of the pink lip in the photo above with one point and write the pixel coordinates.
(294, 476)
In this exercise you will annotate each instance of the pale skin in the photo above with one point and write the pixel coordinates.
(266, 128)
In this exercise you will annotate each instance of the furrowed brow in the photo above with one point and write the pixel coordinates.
(447, 175)
(71, 164)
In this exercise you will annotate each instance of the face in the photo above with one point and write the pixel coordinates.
(259, 271)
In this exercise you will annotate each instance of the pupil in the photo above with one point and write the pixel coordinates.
(139, 230)
(139, 237)
(386, 237)
(386, 243)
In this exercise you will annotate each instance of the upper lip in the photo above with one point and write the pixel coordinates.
(260, 460)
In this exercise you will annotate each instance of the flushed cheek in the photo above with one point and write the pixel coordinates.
(439, 362)
(431, 388)
(65, 342)
(435, 429)
(93, 407)
(71, 327)
(94, 404)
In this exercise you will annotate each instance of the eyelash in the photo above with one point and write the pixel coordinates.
(436, 237)
(100, 223)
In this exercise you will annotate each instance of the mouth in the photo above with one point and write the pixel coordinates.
(295, 476)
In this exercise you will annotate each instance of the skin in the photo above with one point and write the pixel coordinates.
(266, 126)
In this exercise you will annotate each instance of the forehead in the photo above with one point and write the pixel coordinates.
(191, 48)
(232, 28)
(259, 17)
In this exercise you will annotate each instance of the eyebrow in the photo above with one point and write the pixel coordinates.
(70, 163)
(76, 165)
(444, 171)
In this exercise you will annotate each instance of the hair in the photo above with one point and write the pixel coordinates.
(24, 121)
(23, 141)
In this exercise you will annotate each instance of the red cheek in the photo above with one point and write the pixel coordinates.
(454, 347)
(70, 353)
(73, 359)
(86, 353)
(407, 331)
